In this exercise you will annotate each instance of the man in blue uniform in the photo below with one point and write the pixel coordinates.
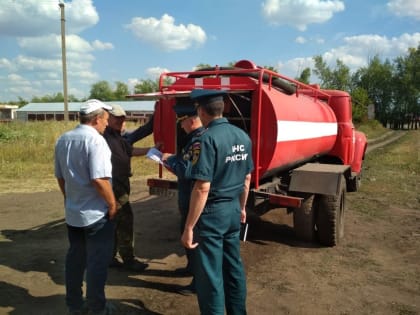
(180, 164)
(221, 170)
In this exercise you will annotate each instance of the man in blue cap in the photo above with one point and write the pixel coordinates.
(221, 169)
(180, 164)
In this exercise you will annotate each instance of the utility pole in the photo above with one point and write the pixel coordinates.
(63, 58)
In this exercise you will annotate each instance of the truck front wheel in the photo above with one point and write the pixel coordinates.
(329, 221)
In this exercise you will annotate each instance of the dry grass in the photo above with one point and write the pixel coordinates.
(27, 155)
(27, 149)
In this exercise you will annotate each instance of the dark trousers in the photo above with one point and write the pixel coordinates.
(188, 252)
(91, 251)
(219, 275)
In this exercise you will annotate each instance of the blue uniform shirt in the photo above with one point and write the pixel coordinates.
(81, 155)
(181, 166)
(224, 158)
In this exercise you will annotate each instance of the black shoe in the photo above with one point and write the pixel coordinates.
(187, 290)
(115, 263)
(135, 265)
(109, 309)
(182, 272)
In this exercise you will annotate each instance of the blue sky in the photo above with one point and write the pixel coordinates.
(131, 40)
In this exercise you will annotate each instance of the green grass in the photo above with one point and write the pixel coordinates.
(393, 170)
(27, 155)
(372, 129)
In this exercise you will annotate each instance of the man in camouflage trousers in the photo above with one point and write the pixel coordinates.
(122, 151)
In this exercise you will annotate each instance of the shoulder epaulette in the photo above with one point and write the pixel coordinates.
(200, 133)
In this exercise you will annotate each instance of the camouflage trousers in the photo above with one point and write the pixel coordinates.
(124, 234)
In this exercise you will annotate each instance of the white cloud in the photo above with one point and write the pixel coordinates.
(410, 8)
(5, 64)
(300, 13)
(165, 35)
(294, 67)
(356, 52)
(98, 45)
(304, 40)
(300, 40)
(155, 72)
(36, 27)
(131, 83)
(50, 45)
(17, 78)
(37, 18)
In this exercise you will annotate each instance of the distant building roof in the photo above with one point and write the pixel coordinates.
(8, 106)
(129, 106)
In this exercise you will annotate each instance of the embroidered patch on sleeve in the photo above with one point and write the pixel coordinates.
(196, 148)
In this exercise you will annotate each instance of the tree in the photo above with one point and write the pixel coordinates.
(376, 80)
(360, 103)
(146, 86)
(101, 91)
(406, 82)
(338, 79)
(121, 91)
(304, 76)
(202, 66)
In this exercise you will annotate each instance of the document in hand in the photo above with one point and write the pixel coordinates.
(243, 232)
(155, 155)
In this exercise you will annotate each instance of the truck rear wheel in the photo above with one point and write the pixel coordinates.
(304, 219)
(329, 219)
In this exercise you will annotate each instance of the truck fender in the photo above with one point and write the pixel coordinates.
(316, 178)
(360, 146)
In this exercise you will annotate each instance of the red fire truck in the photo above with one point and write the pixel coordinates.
(306, 151)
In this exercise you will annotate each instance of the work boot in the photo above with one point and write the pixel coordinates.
(109, 309)
(115, 263)
(83, 311)
(183, 272)
(135, 265)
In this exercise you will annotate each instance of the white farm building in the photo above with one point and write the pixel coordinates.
(138, 111)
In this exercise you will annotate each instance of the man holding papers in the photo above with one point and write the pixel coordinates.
(180, 164)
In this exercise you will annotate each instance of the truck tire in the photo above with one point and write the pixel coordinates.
(304, 219)
(329, 221)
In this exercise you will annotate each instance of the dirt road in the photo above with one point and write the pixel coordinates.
(375, 270)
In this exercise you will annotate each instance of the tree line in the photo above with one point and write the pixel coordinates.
(392, 87)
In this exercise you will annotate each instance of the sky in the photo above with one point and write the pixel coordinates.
(132, 40)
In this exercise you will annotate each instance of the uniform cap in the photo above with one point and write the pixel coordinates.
(204, 96)
(91, 105)
(117, 111)
(184, 108)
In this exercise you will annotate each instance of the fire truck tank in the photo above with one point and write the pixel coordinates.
(294, 129)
